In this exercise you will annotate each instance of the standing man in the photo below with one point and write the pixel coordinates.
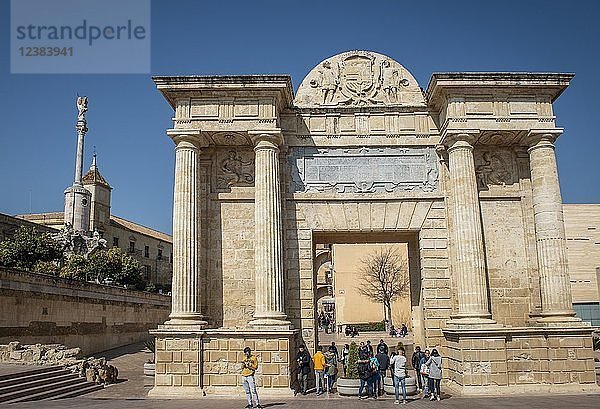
(303, 361)
(416, 363)
(384, 364)
(319, 365)
(249, 366)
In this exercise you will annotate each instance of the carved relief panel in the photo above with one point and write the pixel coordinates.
(363, 170)
(233, 167)
(495, 166)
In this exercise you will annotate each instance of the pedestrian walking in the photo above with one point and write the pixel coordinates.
(319, 365)
(331, 370)
(249, 366)
(435, 374)
(384, 364)
(399, 363)
(303, 361)
(425, 373)
(416, 364)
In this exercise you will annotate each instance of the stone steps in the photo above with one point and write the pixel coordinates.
(43, 383)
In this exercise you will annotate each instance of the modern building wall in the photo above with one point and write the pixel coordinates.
(582, 227)
(353, 307)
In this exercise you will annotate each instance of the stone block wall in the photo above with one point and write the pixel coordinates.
(507, 261)
(518, 358)
(210, 362)
(38, 308)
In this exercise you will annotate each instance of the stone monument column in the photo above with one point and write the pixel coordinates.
(268, 250)
(469, 265)
(186, 291)
(555, 285)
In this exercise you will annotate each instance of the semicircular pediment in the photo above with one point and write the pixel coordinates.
(358, 78)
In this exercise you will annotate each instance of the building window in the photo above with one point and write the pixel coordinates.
(159, 256)
(589, 312)
(132, 246)
(115, 242)
(171, 258)
(147, 272)
(146, 251)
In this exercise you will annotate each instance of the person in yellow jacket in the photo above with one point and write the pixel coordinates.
(249, 366)
(319, 365)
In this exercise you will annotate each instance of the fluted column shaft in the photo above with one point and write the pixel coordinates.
(469, 266)
(186, 292)
(268, 254)
(550, 233)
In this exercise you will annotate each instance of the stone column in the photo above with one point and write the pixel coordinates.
(469, 265)
(268, 252)
(555, 285)
(186, 292)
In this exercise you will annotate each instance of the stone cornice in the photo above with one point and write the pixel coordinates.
(481, 82)
(280, 85)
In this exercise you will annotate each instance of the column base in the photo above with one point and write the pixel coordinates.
(561, 319)
(184, 320)
(470, 321)
(270, 324)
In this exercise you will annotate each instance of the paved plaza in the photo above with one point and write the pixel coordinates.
(529, 401)
(131, 392)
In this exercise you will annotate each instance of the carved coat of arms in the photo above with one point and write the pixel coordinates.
(359, 79)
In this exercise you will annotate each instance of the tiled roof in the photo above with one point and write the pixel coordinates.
(93, 177)
(138, 228)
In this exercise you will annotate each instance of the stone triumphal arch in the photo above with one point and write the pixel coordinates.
(464, 172)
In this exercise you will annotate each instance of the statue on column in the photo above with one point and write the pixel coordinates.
(82, 107)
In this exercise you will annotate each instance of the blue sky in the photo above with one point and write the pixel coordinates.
(128, 117)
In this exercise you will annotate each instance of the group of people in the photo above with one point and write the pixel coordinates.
(402, 332)
(325, 366)
(428, 372)
(325, 323)
(351, 331)
(372, 369)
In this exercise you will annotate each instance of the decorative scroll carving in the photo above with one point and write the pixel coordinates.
(229, 138)
(363, 170)
(358, 78)
(235, 168)
(495, 167)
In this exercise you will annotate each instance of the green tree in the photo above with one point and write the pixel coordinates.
(352, 365)
(75, 267)
(27, 248)
(111, 265)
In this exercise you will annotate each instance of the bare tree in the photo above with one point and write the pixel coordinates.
(384, 277)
